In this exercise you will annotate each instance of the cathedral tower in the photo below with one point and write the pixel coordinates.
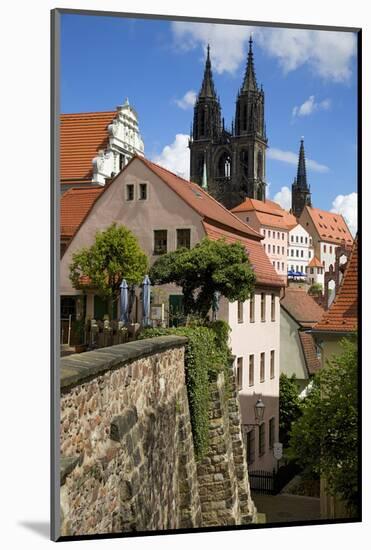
(300, 195)
(234, 158)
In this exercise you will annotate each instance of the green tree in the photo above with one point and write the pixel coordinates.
(115, 255)
(289, 406)
(315, 289)
(325, 438)
(209, 267)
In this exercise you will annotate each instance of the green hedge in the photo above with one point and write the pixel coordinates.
(206, 355)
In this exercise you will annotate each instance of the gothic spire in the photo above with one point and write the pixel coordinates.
(301, 177)
(207, 88)
(249, 82)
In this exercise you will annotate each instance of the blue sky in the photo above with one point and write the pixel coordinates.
(309, 78)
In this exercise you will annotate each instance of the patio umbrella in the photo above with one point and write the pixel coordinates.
(124, 301)
(146, 300)
(290, 273)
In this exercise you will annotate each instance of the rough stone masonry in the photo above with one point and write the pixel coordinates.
(127, 456)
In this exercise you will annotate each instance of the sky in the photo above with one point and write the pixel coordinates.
(309, 79)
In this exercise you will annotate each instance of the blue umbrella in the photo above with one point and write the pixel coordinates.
(124, 301)
(291, 273)
(146, 300)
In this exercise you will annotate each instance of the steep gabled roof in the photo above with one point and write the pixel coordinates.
(329, 226)
(265, 273)
(302, 307)
(268, 213)
(74, 206)
(309, 351)
(342, 315)
(82, 135)
(200, 201)
(315, 262)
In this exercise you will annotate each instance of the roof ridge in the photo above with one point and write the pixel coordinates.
(88, 113)
(199, 188)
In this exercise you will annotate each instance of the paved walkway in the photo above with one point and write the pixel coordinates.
(285, 508)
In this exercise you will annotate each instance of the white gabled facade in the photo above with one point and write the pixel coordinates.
(299, 250)
(123, 143)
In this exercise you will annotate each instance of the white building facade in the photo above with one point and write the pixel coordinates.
(299, 250)
(124, 142)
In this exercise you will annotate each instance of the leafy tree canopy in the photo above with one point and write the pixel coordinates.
(209, 267)
(325, 439)
(115, 255)
(289, 406)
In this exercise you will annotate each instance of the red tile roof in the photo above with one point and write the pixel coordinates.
(342, 313)
(309, 351)
(203, 203)
(74, 206)
(315, 262)
(302, 307)
(268, 213)
(82, 135)
(265, 273)
(329, 226)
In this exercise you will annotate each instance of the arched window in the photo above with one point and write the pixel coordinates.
(202, 122)
(224, 166)
(244, 160)
(260, 193)
(244, 117)
(260, 165)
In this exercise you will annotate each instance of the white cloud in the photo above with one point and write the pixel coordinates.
(292, 158)
(175, 157)
(346, 205)
(283, 198)
(327, 53)
(228, 43)
(311, 106)
(187, 101)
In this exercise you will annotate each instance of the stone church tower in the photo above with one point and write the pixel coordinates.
(300, 191)
(234, 158)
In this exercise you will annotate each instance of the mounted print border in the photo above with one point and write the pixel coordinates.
(206, 321)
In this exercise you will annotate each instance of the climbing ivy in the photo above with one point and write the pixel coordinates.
(206, 354)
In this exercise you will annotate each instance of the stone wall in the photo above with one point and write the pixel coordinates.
(127, 456)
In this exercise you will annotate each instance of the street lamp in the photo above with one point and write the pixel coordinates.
(259, 409)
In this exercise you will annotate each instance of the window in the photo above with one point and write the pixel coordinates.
(251, 370)
(240, 311)
(330, 249)
(292, 268)
(311, 270)
(262, 307)
(269, 248)
(278, 249)
(160, 238)
(274, 249)
(282, 236)
(274, 263)
(273, 305)
(306, 240)
(292, 252)
(142, 191)
(310, 241)
(301, 253)
(324, 248)
(264, 232)
(297, 253)
(261, 439)
(122, 161)
(272, 363)
(282, 266)
(252, 308)
(130, 192)
(247, 218)
(183, 238)
(264, 246)
(271, 433)
(309, 254)
(239, 372)
(250, 446)
(301, 239)
(297, 239)
(269, 233)
(292, 238)
(262, 366)
(323, 263)
(283, 250)
(274, 234)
